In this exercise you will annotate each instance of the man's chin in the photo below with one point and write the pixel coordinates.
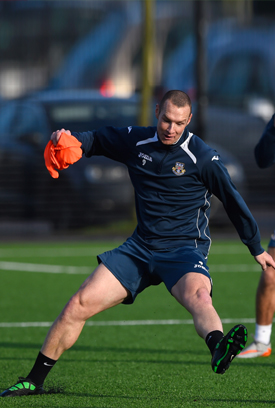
(167, 142)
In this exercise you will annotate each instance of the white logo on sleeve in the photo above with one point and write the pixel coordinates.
(130, 128)
(215, 158)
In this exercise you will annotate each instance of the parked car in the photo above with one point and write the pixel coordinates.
(90, 191)
(240, 90)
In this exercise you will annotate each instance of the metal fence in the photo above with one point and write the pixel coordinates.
(54, 47)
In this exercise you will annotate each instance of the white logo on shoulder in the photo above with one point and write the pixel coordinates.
(130, 128)
(215, 158)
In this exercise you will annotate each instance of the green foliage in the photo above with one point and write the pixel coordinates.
(131, 366)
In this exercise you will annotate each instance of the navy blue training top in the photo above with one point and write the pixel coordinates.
(173, 186)
(265, 149)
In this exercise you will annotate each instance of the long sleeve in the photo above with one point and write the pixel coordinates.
(265, 149)
(107, 141)
(217, 178)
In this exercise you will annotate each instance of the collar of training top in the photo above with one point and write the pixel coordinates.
(177, 144)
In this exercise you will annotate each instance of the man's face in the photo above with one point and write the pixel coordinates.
(172, 121)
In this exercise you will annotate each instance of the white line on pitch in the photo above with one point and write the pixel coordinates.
(125, 323)
(44, 268)
(92, 251)
(51, 252)
(228, 249)
(30, 267)
(234, 268)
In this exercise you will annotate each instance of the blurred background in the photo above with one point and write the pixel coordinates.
(85, 64)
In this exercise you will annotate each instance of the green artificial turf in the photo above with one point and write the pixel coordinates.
(131, 356)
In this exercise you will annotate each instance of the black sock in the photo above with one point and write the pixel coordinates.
(212, 339)
(41, 369)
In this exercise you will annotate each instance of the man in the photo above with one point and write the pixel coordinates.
(265, 297)
(174, 174)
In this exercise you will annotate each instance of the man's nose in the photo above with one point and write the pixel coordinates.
(171, 127)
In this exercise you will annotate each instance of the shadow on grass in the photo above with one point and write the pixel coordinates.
(78, 348)
(185, 363)
(20, 345)
(61, 390)
(55, 389)
(241, 401)
(137, 351)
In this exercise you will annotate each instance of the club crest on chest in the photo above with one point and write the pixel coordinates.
(179, 169)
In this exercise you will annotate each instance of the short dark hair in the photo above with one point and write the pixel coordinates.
(178, 98)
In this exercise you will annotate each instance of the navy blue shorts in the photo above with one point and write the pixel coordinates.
(137, 267)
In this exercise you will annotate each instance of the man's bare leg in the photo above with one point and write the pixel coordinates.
(193, 292)
(265, 308)
(99, 292)
(265, 297)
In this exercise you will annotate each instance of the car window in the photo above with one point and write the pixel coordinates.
(237, 77)
(87, 116)
(7, 114)
(19, 119)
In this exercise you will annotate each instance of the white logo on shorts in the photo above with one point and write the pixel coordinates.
(200, 265)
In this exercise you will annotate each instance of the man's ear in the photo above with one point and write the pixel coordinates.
(157, 111)
(189, 120)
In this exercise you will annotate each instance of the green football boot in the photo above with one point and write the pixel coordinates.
(24, 386)
(228, 347)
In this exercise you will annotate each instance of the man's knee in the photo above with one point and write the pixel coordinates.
(203, 295)
(268, 277)
(199, 298)
(192, 287)
(78, 308)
